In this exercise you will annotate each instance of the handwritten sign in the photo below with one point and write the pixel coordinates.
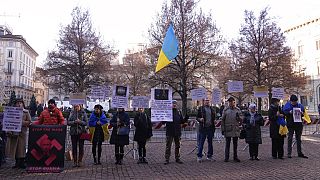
(12, 119)
(278, 93)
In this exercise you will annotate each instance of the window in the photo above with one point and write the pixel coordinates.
(300, 50)
(10, 67)
(318, 45)
(10, 52)
(318, 67)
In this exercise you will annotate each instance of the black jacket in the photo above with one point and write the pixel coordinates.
(174, 128)
(253, 131)
(202, 114)
(274, 126)
(143, 126)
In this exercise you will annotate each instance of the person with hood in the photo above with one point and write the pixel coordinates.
(120, 120)
(230, 128)
(98, 127)
(252, 122)
(142, 133)
(16, 141)
(51, 115)
(293, 108)
(274, 113)
(77, 121)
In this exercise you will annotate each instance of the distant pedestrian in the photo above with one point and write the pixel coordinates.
(274, 113)
(230, 128)
(252, 122)
(39, 109)
(142, 133)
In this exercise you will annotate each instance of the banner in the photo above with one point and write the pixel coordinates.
(12, 119)
(235, 86)
(140, 102)
(120, 95)
(260, 91)
(198, 94)
(278, 93)
(46, 147)
(161, 105)
(216, 96)
(78, 98)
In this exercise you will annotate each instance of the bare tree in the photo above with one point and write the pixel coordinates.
(199, 43)
(81, 58)
(261, 54)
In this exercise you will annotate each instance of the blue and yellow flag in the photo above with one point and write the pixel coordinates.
(169, 50)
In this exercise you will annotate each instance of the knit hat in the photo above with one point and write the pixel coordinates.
(293, 98)
(98, 106)
(52, 101)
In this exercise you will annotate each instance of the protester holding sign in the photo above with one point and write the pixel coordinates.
(252, 122)
(294, 113)
(51, 116)
(98, 126)
(173, 133)
(142, 133)
(274, 114)
(230, 128)
(206, 118)
(16, 142)
(120, 133)
(77, 121)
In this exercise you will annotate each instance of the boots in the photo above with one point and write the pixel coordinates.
(140, 160)
(22, 163)
(117, 158)
(80, 160)
(120, 159)
(99, 163)
(16, 165)
(144, 160)
(95, 160)
(75, 161)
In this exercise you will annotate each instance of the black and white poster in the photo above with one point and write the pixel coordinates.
(161, 104)
(120, 95)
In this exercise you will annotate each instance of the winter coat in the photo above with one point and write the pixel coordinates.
(173, 129)
(100, 131)
(75, 128)
(289, 116)
(16, 142)
(51, 117)
(274, 126)
(202, 114)
(253, 131)
(124, 121)
(143, 127)
(230, 122)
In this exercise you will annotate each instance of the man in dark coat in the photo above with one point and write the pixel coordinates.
(206, 118)
(173, 133)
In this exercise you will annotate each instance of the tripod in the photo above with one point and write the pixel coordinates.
(133, 150)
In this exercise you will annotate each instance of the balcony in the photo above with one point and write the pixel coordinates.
(8, 71)
(21, 72)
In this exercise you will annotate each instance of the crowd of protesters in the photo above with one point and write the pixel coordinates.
(234, 124)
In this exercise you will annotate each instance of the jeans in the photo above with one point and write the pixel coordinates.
(205, 133)
(298, 133)
(169, 140)
(75, 140)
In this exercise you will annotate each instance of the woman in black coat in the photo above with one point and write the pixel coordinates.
(119, 120)
(143, 132)
(252, 122)
(277, 139)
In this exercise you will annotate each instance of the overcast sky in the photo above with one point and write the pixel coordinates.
(124, 23)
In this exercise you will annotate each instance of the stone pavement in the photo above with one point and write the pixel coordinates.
(266, 168)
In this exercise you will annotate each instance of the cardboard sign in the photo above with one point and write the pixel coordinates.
(235, 86)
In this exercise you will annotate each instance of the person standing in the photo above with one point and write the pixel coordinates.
(294, 125)
(206, 118)
(142, 133)
(98, 127)
(252, 122)
(230, 128)
(277, 140)
(173, 133)
(119, 120)
(77, 121)
(16, 141)
(51, 115)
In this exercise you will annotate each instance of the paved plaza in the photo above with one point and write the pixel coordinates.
(266, 168)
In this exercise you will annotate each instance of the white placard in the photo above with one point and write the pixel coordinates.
(278, 93)
(260, 94)
(100, 92)
(161, 105)
(77, 98)
(140, 102)
(235, 86)
(120, 95)
(296, 112)
(198, 94)
(216, 96)
(12, 119)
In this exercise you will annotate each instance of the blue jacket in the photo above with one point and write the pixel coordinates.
(94, 119)
(289, 116)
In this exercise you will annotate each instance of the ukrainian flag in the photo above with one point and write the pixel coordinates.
(169, 50)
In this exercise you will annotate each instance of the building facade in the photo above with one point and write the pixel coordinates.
(304, 39)
(17, 65)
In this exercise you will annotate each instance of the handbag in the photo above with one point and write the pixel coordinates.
(124, 130)
(86, 136)
(243, 134)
